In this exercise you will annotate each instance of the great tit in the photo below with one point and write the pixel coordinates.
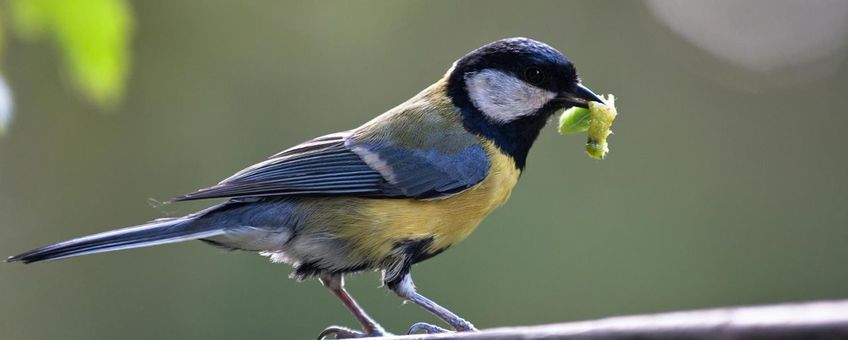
(395, 191)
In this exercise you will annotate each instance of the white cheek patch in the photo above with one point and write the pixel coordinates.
(504, 98)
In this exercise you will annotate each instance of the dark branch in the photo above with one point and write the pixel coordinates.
(811, 320)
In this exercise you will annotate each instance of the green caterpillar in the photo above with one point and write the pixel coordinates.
(596, 121)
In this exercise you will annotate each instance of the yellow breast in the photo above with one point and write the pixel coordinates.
(447, 220)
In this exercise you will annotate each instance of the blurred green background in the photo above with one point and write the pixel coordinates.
(727, 183)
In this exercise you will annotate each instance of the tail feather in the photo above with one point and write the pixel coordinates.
(153, 233)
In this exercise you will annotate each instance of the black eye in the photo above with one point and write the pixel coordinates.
(534, 75)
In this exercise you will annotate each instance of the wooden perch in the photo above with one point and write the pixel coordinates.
(811, 320)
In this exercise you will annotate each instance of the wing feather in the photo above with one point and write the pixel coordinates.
(322, 167)
(367, 162)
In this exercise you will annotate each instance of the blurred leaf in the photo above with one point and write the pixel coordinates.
(2, 34)
(5, 93)
(93, 35)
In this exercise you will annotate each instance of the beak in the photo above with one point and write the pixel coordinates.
(580, 97)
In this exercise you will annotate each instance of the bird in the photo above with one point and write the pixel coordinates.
(395, 191)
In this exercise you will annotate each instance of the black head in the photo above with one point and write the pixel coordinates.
(507, 90)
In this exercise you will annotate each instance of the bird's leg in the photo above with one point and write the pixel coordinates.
(405, 288)
(370, 328)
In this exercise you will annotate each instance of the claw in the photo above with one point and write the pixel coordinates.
(339, 332)
(427, 328)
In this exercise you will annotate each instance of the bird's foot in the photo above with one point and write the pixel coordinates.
(433, 329)
(339, 332)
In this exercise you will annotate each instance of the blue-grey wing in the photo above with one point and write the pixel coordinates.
(424, 173)
(340, 165)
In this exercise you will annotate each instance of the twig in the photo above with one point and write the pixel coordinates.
(810, 320)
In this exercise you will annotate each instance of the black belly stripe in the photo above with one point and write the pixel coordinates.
(413, 251)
